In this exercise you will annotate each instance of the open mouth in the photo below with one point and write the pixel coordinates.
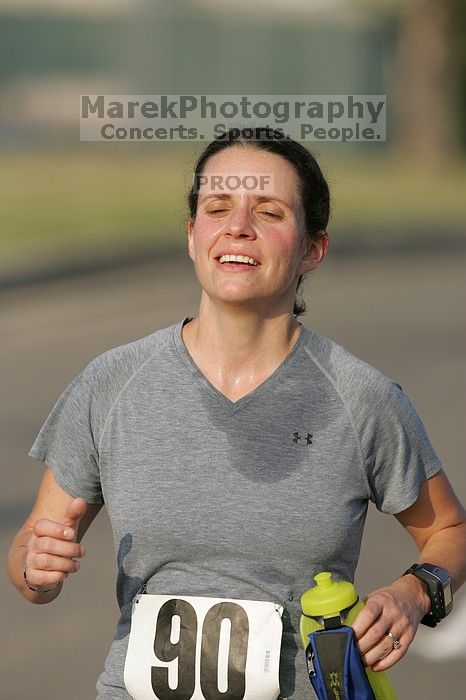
(237, 261)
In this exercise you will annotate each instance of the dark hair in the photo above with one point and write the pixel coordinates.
(313, 187)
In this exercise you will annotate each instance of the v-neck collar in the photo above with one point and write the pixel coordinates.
(229, 405)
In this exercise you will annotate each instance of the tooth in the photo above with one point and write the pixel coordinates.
(238, 258)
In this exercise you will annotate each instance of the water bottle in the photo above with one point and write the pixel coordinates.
(338, 599)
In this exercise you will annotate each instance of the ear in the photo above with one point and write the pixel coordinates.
(190, 232)
(315, 253)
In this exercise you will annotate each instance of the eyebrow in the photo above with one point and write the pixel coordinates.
(258, 197)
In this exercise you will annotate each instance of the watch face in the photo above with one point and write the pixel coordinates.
(447, 594)
(440, 591)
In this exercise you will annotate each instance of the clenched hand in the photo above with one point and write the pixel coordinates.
(52, 550)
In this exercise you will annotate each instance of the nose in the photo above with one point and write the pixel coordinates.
(240, 223)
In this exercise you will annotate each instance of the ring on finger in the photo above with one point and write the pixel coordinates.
(396, 642)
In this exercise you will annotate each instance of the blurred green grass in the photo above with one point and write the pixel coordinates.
(68, 205)
(63, 205)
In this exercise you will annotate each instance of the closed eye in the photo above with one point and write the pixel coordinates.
(270, 213)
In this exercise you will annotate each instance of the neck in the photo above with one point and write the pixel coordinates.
(240, 343)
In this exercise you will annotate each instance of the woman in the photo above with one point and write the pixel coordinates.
(236, 453)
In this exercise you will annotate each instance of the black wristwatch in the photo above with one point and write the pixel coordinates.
(439, 590)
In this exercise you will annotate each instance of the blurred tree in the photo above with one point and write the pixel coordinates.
(458, 59)
(424, 82)
(427, 76)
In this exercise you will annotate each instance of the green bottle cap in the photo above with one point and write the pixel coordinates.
(327, 598)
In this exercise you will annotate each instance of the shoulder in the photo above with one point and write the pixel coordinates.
(357, 382)
(111, 370)
(395, 450)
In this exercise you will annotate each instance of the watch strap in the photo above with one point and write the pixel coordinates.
(430, 619)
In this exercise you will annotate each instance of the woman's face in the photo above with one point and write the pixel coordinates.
(262, 223)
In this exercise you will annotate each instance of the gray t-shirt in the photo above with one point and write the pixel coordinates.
(247, 499)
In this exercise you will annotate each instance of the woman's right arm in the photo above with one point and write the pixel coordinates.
(48, 542)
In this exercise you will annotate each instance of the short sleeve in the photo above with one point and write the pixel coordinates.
(399, 454)
(67, 440)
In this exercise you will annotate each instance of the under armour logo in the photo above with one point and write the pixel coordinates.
(297, 436)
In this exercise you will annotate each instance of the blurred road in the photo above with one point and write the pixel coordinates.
(402, 314)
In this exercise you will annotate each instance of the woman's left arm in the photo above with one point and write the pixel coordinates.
(437, 523)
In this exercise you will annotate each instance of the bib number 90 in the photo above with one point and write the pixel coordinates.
(199, 648)
(184, 650)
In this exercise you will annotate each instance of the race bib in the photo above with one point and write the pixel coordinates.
(197, 648)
